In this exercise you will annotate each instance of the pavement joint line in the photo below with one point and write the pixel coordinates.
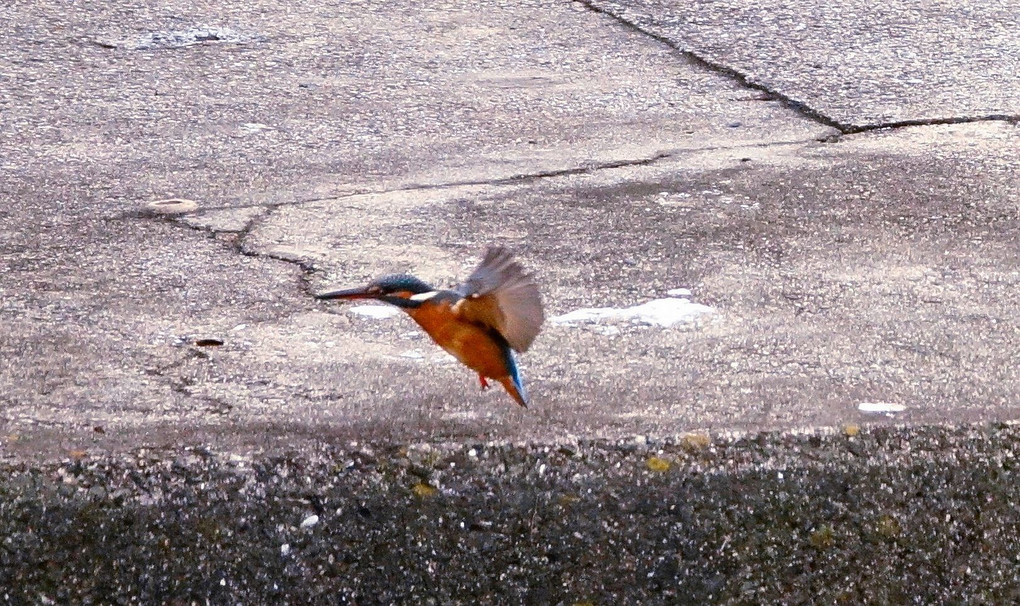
(745, 80)
(497, 181)
(741, 78)
(800, 107)
(500, 181)
(308, 267)
(1009, 119)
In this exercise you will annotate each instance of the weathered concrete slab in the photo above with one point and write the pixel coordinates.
(102, 300)
(214, 434)
(903, 243)
(328, 97)
(860, 64)
(879, 269)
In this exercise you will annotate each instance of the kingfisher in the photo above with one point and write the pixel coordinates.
(482, 322)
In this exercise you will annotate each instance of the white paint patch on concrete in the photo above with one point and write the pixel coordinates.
(657, 312)
(378, 312)
(881, 407)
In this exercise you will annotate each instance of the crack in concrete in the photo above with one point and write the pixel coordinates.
(800, 107)
(531, 177)
(180, 385)
(239, 240)
(1014, 120)
(497, 181)
(308, 268)
(274, 205)
(240, 246)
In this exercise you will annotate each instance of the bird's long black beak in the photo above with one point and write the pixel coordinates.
(347, 293)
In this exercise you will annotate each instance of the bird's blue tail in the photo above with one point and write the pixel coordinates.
(515, 377)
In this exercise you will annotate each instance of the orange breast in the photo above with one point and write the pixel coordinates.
(467, 342)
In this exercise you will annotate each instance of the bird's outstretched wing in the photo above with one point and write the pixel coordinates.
(501, 295)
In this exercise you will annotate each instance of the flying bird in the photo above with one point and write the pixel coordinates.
(482, 322)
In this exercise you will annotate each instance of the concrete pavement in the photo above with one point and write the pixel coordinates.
(839, 184)
(853, 65)
(329, 146)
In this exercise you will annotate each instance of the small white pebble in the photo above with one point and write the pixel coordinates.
(285, 548)
(472, 453)
(310, 521)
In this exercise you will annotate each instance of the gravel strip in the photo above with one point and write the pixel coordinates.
(882, 515)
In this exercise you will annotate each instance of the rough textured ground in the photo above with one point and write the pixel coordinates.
(855, 65)
(326, 145)
(838, 182)
(922, 516)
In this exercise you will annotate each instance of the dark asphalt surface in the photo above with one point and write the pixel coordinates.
(885, 516)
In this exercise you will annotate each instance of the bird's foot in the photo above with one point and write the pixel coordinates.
(483, 382)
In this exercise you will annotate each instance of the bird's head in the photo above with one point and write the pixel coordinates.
(396, 288)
